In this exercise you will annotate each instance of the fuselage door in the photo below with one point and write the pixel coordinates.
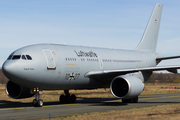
(50, 59)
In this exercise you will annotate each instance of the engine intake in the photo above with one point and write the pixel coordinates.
(126, 86)
(16, 91)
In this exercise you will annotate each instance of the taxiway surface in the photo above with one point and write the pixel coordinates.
(26, 111)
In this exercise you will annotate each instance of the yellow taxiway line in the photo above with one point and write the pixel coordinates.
(35, 107)
(80, 103)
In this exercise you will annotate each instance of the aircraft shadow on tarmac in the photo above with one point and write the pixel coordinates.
(92, 101)
(10, 104)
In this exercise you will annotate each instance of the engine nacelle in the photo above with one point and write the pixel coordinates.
(126, 86)
(16, 91)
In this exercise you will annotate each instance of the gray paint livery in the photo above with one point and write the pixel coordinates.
(62, 67)
(49, 72)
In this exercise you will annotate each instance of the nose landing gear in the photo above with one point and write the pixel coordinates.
(37, 102)
(67, 98)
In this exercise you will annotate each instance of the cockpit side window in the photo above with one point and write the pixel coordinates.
(28, 57)
(23, 57)
(15, 57)
(10, 56)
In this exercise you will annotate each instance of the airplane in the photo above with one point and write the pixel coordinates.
(38, 67)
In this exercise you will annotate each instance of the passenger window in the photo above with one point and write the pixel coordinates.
(28, 57)
(15, 57)
(23, 57)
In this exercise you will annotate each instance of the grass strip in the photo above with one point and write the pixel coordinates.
(166, 112)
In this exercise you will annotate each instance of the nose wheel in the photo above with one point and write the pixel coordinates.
(67, 98)
(37, 102)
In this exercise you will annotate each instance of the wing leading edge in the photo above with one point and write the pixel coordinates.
(172, 69)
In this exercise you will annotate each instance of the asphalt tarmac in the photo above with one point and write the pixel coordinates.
(27, 111)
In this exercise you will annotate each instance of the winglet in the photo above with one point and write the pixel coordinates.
(150, 36)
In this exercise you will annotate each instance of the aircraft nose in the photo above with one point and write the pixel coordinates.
(7, 69)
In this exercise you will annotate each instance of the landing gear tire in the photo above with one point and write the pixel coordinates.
(62, 99)
(35, 103)
(132, 100)
(136, 99)
(73, 98)
(40, 103)
(67, 98)
(124, 100)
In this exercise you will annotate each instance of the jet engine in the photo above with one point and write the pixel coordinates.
(126, 86)
(16, 91)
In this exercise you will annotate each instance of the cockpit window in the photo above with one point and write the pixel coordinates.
(15, 57)
(23, 57)
(28, 57)
(10, 56)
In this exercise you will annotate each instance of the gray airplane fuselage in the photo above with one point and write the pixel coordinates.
(62, 67)
(34, 68)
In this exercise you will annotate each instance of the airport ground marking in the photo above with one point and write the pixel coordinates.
(62, 105)
(18, 108)
(145, 98)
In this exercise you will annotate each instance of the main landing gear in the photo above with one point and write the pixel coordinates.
(37, 102)
(132, 100)
(67, 98)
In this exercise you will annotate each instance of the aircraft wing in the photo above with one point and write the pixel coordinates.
(159, 59)
(169, 57)
(107, 73)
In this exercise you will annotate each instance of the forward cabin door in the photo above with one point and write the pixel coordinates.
(49, 59)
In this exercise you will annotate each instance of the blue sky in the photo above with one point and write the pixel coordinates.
(100, 23)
